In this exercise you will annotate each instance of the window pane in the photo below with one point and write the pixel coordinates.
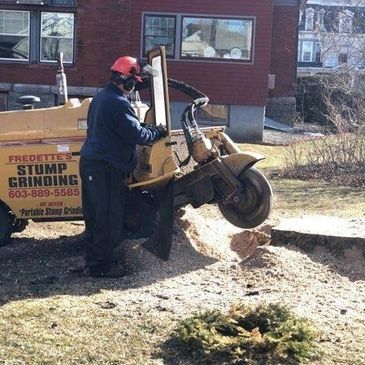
(57, 35)
(159, 31)
(217, 38)
(14, 34)
(307, 51)
(51, 47)
(213, 114)
(57, 25)
(317, 52)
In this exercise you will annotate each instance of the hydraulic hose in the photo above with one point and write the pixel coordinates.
(186, 89)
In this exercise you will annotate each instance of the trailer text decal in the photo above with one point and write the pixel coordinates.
(48, 170)
(45, 180)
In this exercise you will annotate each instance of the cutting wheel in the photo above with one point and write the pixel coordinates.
(252, 205)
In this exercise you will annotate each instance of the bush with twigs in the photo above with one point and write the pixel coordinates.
(335, 100)
(338, 158)
(267, 334)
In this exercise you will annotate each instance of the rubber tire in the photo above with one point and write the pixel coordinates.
(5, 226)
(19, 225)
(255, 187)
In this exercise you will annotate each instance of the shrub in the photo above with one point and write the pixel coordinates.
(310, 104)
(267, 334)
(336, 100)
(337, 158)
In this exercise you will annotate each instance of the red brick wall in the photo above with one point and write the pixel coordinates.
(109, 28)
(284, 50)
(223, 82)
(102, 34)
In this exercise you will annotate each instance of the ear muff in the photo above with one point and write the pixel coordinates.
(129, 83)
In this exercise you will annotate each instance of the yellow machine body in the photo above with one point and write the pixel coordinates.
(40, 152)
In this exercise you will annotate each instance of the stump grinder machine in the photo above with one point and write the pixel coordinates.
(40, 151)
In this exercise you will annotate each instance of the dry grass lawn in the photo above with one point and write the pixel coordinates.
(69, 320)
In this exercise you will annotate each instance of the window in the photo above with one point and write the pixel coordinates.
(198, 37)
(14, 35)
(57, 34)
(307, 49)
(331, 59)
(309, 19)
(159, 30)
(217, 38)
(213, 114)
(317, 52)
(310, 52)
(33, 35)
(346, 20)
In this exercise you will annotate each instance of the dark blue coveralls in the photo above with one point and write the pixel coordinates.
(108, 155)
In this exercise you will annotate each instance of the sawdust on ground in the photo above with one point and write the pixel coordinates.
(213, 264)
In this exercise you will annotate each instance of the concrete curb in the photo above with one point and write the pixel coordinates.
(338, 235)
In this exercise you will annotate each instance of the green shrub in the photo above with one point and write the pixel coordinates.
(267, 334)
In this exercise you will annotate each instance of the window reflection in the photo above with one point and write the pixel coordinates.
(159, 31)
(14, 34)
(217, 38)
(57, 33)
(213, 114)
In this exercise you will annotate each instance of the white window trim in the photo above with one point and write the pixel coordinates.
(28, 35)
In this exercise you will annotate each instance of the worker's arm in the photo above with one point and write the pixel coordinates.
(131, 131)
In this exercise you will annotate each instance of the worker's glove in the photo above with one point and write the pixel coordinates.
(162, 130)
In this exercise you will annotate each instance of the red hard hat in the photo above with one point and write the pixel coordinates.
(127, 66)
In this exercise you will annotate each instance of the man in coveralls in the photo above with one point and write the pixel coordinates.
(107, 157)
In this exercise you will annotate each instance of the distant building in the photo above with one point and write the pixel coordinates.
(331, 34)
(241, 53)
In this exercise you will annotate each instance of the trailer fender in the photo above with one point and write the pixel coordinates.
(238, 162)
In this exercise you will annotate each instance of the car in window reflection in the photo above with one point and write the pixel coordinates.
(9, 49)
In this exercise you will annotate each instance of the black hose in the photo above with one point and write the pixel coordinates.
(186, 89)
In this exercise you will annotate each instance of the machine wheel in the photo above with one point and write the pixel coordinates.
(6, 226)
(19, 225)
(252, 206)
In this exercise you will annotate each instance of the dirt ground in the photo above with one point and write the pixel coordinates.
(50, 314)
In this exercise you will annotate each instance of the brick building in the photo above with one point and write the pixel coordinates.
(232, 50)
